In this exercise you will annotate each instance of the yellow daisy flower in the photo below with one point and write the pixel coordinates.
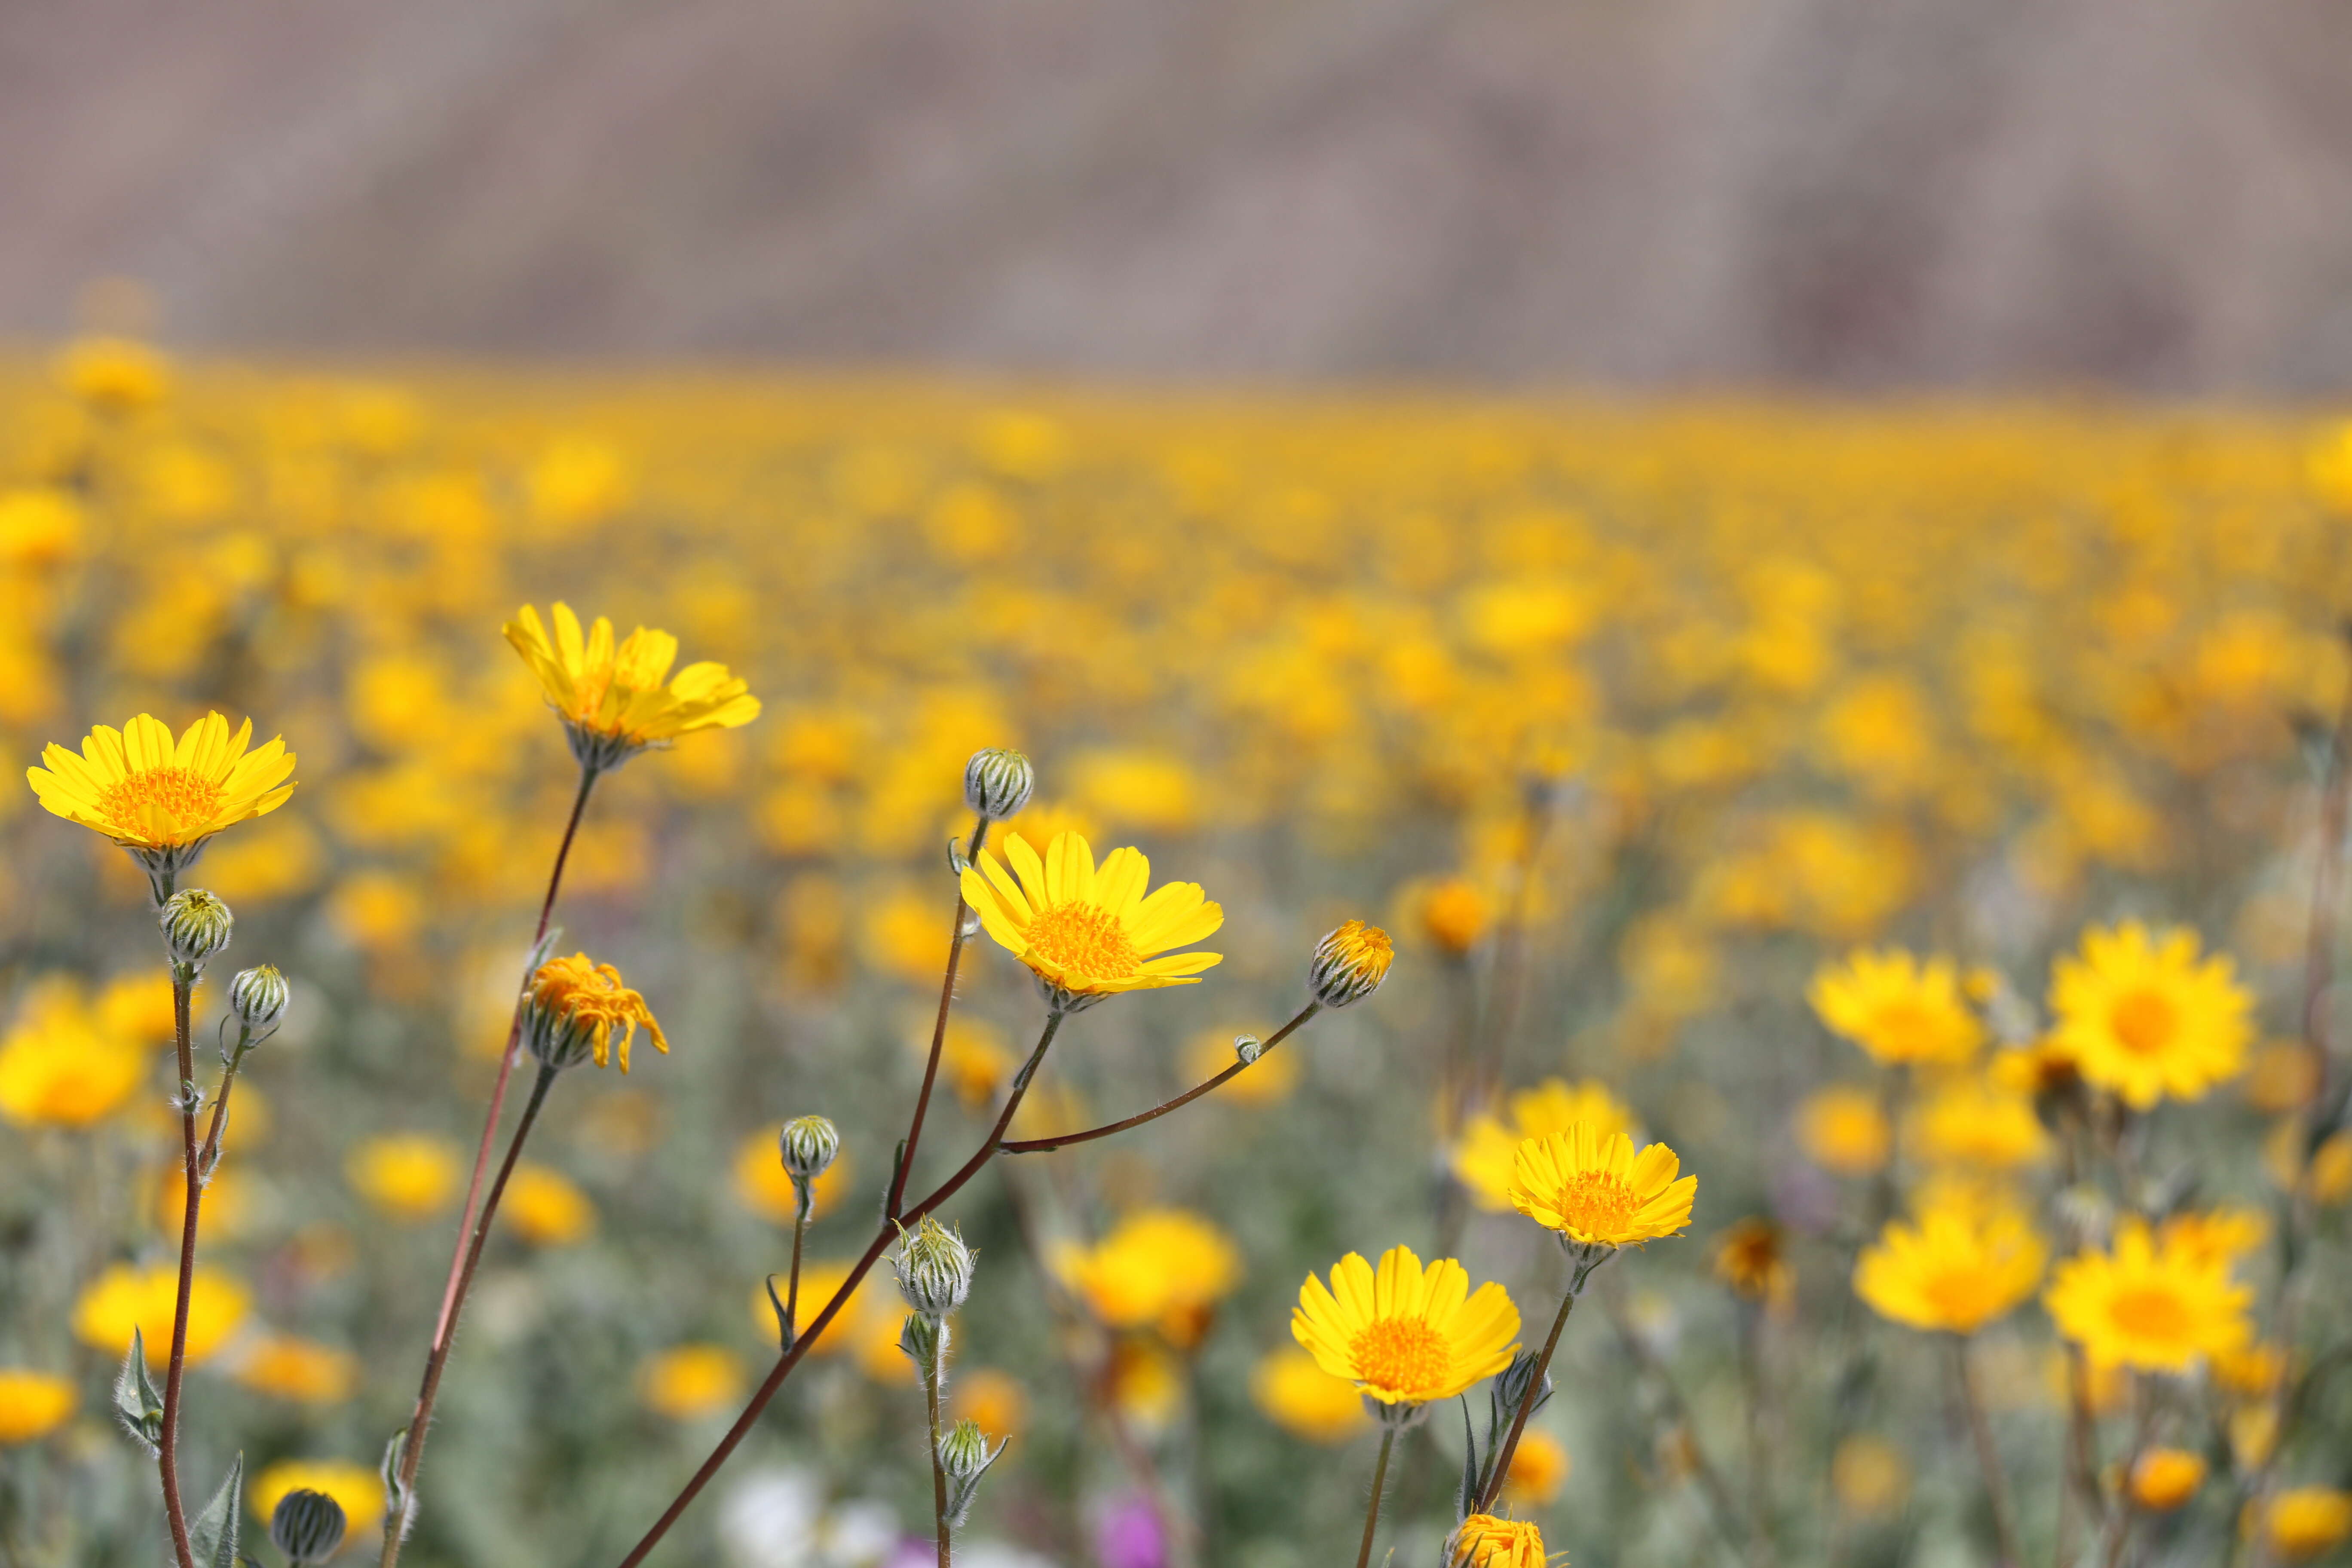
(1959, 1268)
(1167, 1266)
(1088, 933)
(2154, 1305)
(1485, 1540)
(1406, 1336)
(1597, 1193)
(1294, 1390)
(2304, 1521)
(616, 700)
(1897, 1008)
(2142, 1017)
(32, 1403)
(1489, 1148)
(159, 798)
(61, 1065)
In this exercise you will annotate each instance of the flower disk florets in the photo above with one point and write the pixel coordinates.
(576, 1009)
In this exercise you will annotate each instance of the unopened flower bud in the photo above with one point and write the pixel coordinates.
(196, 925)
(1247, 1049)
(307, 1526)
(808, 1144)
(934, 1268)
(1349, 965)
(925, 1341)
(996, 783)
(258, 995)
(963, 1450)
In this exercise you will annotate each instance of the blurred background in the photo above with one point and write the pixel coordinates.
(1848, 194)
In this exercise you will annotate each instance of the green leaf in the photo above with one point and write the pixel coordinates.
(135, 1399)
(213, 1533)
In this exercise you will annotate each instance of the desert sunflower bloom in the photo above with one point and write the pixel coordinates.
(1897, 1008)
(2143, 1016)
(1405, 1335)
(616, 700)
(162, 799)
(1956, 1270)
(1490, 1147)
(2153, 1304)
(1485, 1540)
(1087, 932)
(1597, 1193)
(576, 1008)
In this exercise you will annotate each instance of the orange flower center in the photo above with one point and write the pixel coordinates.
(173, 794)
(1400, 1354)
(1086, 941)
(1959, 1296)
(2144, 1021)
(1907, 1029)
(2151, 1314)
(1598, 1202)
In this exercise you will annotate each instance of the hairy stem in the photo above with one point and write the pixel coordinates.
(1042, 1145)
(931, 1375)
(167, 1451)
(1379, 1485)
(1499, 1461)
(939, 1035)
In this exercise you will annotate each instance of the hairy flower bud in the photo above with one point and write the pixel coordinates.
(195, 924)
(808, 1144)
(258, 995)
(924, 1341)
(997, 783)
(963, 1450)
(307, 1526)
(1349, 965)
(934, 1268)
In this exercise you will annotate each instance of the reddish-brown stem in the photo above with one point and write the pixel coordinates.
(1501, 1460)
(167, 1451)
(1041, 1145)
(453, 1289)
(864, 1265)
(938, 1037)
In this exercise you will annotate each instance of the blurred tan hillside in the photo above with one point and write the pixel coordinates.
(1852, 193)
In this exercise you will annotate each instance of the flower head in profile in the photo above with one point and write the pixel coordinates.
(1405, 1335)
(576, 1008)
(1597, 1193)
(1485, 1540)
(161, 798)
(1897, 1008)
(615, 700)
(2143, 1016)
(2152, 1303)
(1349, 965)
(1958, 1268)
(1088, 931)
(1489, 1146)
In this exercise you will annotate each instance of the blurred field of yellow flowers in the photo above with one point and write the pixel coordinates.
(1899, 851)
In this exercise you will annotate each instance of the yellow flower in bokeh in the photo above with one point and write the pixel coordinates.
(302, 1370)
(1454, 916)
(39, 526)
(1842, 1129)
(545, 1207)
(1752, 1258)
(994, 1399)
(2304, 1521)
(974, 1059)
(2162, 1479)
(1138, 789)
(1485, 1540)
(228, 1199)
(1897, 1008)
(1595, 1191)
(1957, 1270)
(1147, 1385)
(1268, 1080)
(357, 1488)
(1539, 1468)
(1968, 1120)
(138, 1006)
(117, 375)
(1088, 933)
(616, 701)
(762, 1186)
(1489, 1148)
(2144, 1017)
(1405, 1335)
(126, 1296)
(405, 1176)
(33, 1403)
(690, 1381)
(576, 1008)
(1297, 1396)
(159, 798)
(60, 1065)
(1163, 1267)
(2155, 1306)
(2226, 1235)
(907, 936)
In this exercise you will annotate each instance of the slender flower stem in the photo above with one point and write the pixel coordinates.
(1499, 1462)
(453, 1290)
(1379, 1484)
(805, 1202)
(412, 1453)
(939, 1467)
(939, 1035)
(864, 1265)
(1996, 1481)
(1041, 1145)
(167, 1451)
